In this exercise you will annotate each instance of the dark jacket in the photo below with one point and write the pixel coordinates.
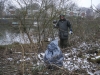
(63, 26)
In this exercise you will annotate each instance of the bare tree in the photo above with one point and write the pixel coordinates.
(41, 12)
(2, 7)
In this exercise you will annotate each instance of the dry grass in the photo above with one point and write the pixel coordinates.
(83, 31)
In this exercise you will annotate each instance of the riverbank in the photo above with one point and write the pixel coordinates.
(16, 58)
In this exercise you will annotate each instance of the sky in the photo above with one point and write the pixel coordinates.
(81, 3)
(87, 3)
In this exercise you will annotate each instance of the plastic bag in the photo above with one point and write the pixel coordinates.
(53, 54)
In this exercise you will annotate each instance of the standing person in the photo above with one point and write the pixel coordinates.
(63, 26)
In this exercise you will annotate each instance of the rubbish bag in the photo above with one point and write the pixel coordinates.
(53, 54)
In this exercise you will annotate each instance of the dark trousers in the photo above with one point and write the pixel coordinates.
(63, 43)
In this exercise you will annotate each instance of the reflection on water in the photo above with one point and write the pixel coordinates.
(8, 38)
(9, 35)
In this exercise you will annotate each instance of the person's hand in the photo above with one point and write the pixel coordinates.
(70, 32)
(54, 21)
(54, 25)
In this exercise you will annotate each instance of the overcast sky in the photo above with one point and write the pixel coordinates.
(87, 3)
(81, 3)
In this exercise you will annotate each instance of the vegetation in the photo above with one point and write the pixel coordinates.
(18, 58)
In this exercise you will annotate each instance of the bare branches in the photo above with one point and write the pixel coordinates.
(96, 9)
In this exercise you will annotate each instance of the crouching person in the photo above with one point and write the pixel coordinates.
(53, 55)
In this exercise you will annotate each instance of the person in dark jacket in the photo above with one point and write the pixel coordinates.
(63, 25)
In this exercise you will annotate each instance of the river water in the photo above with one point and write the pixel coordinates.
(10, 34)
(9, 38)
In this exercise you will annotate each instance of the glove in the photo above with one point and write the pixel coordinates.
(54, 21)
(70, 32)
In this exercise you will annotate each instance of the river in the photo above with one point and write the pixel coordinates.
(10, 37)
